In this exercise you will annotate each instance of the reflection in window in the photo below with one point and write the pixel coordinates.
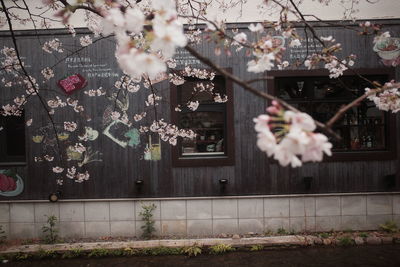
(208, 121)
(363, 128)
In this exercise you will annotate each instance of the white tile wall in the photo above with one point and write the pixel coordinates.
(203, 217)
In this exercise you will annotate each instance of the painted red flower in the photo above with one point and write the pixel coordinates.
(7, 183)
(72, 83)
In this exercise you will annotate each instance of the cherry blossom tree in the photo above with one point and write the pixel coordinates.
(148, 33)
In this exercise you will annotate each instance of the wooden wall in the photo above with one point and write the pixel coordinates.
(115, 176)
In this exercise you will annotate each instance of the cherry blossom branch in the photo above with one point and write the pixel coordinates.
(254, 91)
(28, 76)
(74, 8)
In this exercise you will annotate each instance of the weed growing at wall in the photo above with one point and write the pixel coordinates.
(192, 250)
(50, 231)
(73, 253)
(389, 227)
(256, 247)
(2, 234)
(220, 249)
(147, 217)
(345, 241)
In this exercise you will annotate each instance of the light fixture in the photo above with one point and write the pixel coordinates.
(54, 197)
(307, 180)
(223, 181)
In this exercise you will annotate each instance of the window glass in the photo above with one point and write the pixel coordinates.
(362, 128)
(12, 139)
(208, 121)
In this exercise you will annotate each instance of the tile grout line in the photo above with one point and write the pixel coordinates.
(186, 220)
(134, 217)
(212, 216)
(340, 212)
(84, 218)
(9, 220)
(237, 214)
(263, 200)
(109, 217)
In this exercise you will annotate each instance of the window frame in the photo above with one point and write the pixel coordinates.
(390, 128)
(207, 160)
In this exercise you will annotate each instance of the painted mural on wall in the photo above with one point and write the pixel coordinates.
(11, 184)
(388, 49)
(72, 83)
(118, 128)
(153, 149)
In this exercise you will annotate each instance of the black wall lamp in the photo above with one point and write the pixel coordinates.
(307, 180)
(139, 185)
(54, 197)
(223, 183)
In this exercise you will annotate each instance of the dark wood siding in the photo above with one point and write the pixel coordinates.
(252, 174)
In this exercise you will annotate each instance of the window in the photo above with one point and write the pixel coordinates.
(367, 133)
(12, 139)
(212, 122)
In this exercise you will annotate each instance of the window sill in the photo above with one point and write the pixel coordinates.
(203, 161)
(13, 163)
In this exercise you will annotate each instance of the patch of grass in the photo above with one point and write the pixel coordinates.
(147, 217)
(98, 253)
(345, 241)
(324, 235)
(292, 232)
(45, 254)
(128, 251)
(20, 256)
(220, 249)
(256, 247)
(282, 231)
(363, 235)
(389, 227)
(73, 253)
(28, 242)
(160, 251)
(192, 250)
(268, 233)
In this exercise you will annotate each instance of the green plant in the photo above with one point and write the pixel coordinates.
(50, 231)
(2, 234)
(161, 251)
(20, 256)
(345, 241)
(282, 231)
(220, 249)
(324, 235)
(268, 232)
(128, 251)
(73, 253)
(28, 241)
(98, 253)
(292, 232)
(363, 235)
(45, 254)
(256, 247)
(193, 250)
(147, 217)
(389, 227)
